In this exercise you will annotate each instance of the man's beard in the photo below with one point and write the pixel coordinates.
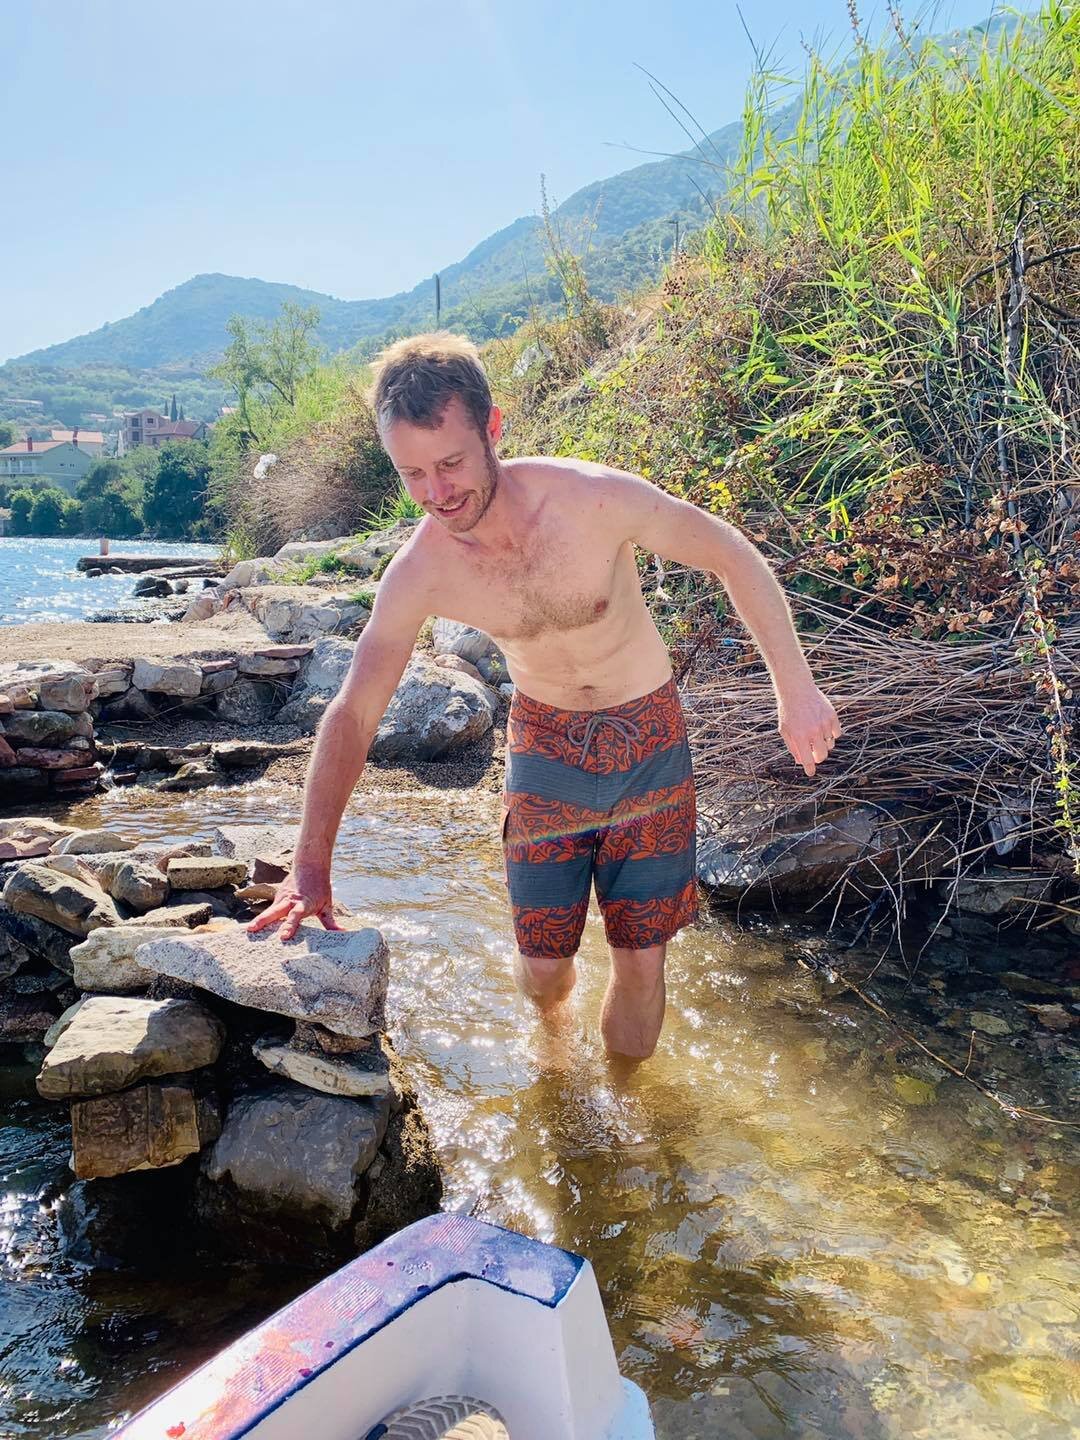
(491, 464)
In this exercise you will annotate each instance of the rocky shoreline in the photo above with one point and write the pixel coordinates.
(258, 1074)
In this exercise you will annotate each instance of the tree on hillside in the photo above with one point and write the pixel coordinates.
(7, 434)
(176, 502)
(266, 363)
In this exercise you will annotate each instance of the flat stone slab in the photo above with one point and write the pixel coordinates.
(335, 977)
(174, 917)
(115, 1042)
(247, 842)
(367, 1072)
(104, 964)
(214, 872)
(93, 842)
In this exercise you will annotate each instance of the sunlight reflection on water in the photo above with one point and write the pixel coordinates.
(784, 1248)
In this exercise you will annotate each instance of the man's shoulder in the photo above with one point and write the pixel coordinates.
(569, 477)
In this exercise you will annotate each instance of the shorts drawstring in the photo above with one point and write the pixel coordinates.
(584, 731)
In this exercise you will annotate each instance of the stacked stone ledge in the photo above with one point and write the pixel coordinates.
(255, 1072)
(47, 745)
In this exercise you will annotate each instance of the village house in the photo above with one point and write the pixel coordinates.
(62, 463)
(92, 441)
(151, 427)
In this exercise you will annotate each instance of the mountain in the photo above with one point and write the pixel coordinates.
(621, 224)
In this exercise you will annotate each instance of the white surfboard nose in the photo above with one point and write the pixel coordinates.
(449, 1307)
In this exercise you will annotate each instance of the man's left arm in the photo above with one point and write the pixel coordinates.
(681, 532)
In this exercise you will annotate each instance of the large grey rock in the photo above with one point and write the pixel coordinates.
(364, 1072)
(336, 977)
(93, 842)
(70, 690)
(177, 678)
(296, 614)
(319, 681)
(295, 1152)
(104, 963)
(139, 884)
(150, 1126)
(248, 702)
(38, 727)
(803, 858)
(70, 904)
(450, 637)
(115, 1042)
(432, 713)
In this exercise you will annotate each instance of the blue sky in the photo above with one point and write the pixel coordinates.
(348, 146)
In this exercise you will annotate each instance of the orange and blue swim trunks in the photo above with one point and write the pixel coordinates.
(605, 798)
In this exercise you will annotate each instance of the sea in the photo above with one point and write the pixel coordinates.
(39, 581)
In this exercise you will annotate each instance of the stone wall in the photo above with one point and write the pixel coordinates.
(257, 1073)
(49, 711)
(47, 745)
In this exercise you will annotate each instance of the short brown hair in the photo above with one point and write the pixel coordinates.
(415, 380)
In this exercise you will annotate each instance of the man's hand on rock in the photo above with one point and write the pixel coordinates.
(809, 726)
(303, 892)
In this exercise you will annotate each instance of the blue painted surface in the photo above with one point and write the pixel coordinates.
(293, 1347)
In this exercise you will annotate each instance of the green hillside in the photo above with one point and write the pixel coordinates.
(614, 220)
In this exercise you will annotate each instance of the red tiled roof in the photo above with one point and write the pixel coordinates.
(91, 437)
(21, 448)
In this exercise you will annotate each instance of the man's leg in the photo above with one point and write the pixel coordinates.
(545, 980)
(633, 1010)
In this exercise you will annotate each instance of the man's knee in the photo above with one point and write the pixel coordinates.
(545, 978)
(638, 969)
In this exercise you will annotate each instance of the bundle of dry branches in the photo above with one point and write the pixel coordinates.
(933, 732)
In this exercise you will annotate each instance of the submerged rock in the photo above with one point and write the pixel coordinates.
(103, 1222)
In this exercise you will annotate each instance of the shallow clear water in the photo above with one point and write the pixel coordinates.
(38, 579)
(785, 1249)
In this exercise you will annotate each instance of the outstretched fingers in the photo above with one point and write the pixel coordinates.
(275, 911)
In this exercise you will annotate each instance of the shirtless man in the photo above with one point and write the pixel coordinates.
(539, 554)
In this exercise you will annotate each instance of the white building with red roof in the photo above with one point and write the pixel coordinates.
(62, 463)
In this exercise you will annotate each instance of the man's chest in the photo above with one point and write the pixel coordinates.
(553, 583)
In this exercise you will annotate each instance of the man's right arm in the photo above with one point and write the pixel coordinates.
(344, 737)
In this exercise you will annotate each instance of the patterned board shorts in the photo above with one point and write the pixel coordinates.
(605, 797)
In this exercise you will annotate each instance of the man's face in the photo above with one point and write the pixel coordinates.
(451, 471)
